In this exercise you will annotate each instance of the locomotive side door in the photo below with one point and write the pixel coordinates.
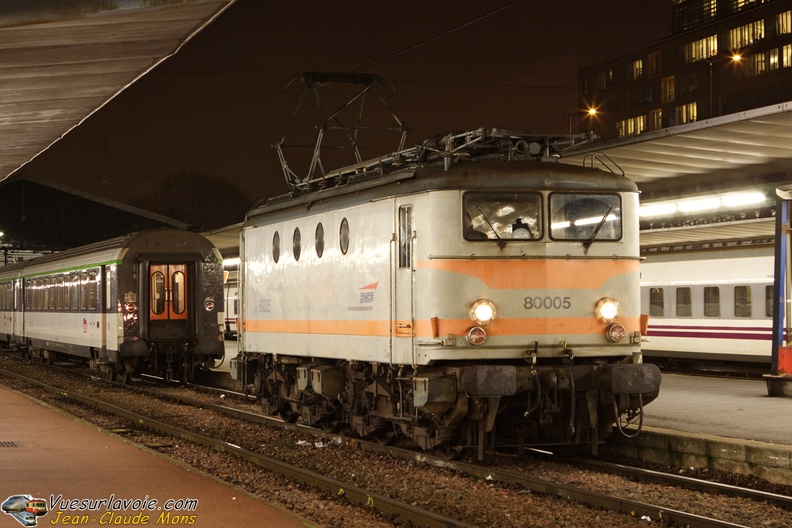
(402, 322)
(169, 303)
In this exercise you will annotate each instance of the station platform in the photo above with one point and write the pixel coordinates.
(727, 407)
(721, 424)
(89, 477)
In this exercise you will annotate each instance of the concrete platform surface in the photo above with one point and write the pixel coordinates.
(727, 407)
(91, 478)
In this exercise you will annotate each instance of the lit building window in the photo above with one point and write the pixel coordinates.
(755, 64)
(786, 56)
(636, 70)
(784, 23)
(701, 49)
(631, 127)
(686, 113)
(746, 35)
(655, 120)
(772, 59)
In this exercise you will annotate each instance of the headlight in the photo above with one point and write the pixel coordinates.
(476, 335)
(616, 332)
(607, 309)
(482, 312)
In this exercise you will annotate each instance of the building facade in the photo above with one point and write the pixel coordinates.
(723, 57)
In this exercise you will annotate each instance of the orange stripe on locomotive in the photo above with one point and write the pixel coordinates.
(535, 275)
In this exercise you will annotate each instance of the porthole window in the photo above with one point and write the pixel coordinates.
(296, 243)
(319, 240)
(344, 236)
(276, 246)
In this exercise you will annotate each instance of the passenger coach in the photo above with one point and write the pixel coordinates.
(460, 293)
(144, 302)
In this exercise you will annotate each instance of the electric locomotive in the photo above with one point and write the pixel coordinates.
(467, 292)
(146, 302)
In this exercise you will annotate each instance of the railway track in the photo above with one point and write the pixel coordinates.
(388, 507)
(413, 515)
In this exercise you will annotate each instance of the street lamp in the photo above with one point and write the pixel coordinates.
(590, 112)
(734, 58)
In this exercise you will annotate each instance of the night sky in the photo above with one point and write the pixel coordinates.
(220, 104)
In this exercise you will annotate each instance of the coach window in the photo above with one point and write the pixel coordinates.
(297, 243)
(585, 216)
(60, 292)
(40, 295)
(683, 302)
(157, 292)
(75, 292)
(50, 294)
(92, 290)
(768, 301)
(30, 294)
(656, 302)
(178, 292)
(711, 301)
(343, 236)
(742, 301)
(319, 240)
(501, 216)
(405, 236)
(276, 247)
(47, 290)
(85, 291)
(52, 285)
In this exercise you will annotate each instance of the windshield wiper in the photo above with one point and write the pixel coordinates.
(590, 240)
(500, 240)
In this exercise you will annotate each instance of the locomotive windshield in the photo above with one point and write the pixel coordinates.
(585, 216)
(497, 216)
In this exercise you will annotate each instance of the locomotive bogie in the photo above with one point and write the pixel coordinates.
(148, 301)
(492, 299)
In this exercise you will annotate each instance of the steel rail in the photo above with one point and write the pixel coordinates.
(388, 507)
(690, 483)
(581, 495)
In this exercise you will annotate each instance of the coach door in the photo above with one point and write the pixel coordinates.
(18, 322)
(403, 328)
(169, 301)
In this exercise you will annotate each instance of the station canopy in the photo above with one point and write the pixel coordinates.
(743, 151)
(62, 60)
